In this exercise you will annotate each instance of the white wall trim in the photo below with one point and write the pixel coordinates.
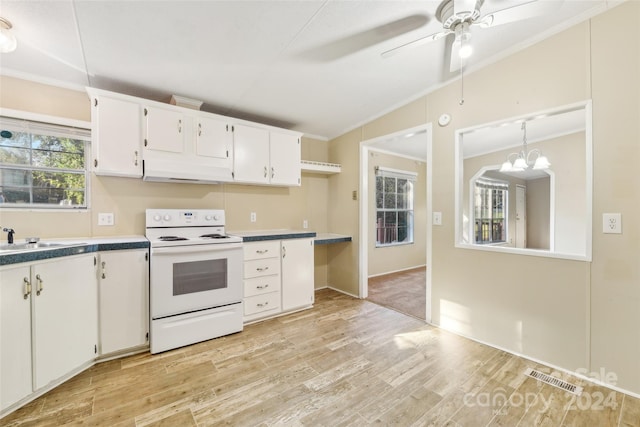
(397, 271)
(341, 291)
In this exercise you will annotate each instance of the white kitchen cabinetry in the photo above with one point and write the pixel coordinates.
(261, 279)
(266, 157)
(123, 292)
(61, 326)
(164, 129)
(297, 273)
(213, 138)
(284, 156)
(15, 335)
(116, 136)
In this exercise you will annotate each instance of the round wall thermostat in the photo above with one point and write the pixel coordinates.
(444, 120)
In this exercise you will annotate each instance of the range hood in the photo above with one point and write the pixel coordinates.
(183, 171)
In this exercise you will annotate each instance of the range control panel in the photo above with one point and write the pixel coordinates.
(184, 218)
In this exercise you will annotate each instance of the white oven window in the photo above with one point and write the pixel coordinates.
(199, 276)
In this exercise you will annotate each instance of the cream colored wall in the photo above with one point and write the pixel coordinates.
(572, 314)
(393, 258)
(538, 213)
(127, 198)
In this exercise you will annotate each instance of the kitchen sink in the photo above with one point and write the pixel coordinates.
(23, 247)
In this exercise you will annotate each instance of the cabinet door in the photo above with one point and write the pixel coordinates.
(165, 130)
(297, 273)
(64, 316)
(124, 301)
(116, 137)
(213, 138)
(285, 159)
(250, 154)
(15, 335)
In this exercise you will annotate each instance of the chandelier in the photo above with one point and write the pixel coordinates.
(525, 159)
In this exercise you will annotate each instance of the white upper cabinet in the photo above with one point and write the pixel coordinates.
(116, 137)
(164, 129)
(266, 157)
(284, 155)
(213, 138)
(250, 154)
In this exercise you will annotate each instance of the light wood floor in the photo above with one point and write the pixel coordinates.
(405, 291)
(345, 362)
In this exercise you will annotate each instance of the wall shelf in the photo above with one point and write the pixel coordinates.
(320, 167)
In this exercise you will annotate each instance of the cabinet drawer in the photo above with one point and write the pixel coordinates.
(261, 267)
(261, 285)
(259, 303)
(261, 250)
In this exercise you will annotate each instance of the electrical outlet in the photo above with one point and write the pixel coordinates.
(612, 223)
(253, 217)
(105, 218)
(305, 224)
(437, 218)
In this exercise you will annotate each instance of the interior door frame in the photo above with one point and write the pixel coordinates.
(365, 148)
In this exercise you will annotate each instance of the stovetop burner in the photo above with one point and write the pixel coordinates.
(171, 238)
(214, 236)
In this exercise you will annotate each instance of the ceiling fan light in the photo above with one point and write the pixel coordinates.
(541, 163)
(8, 42)
(465, 50)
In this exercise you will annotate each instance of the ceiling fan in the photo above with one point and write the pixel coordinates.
(459, 16)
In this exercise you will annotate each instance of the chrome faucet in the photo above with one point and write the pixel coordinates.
(10, 232)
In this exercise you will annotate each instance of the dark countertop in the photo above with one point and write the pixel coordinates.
(76, 247)
(262, 235)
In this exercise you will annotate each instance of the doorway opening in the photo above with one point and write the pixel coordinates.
(395, 226)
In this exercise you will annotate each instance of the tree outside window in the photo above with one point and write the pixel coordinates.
(394, 208)
(42, 165)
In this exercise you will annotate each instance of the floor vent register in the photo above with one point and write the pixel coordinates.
(554, 381)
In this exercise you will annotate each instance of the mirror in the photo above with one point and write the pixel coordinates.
(523, 184)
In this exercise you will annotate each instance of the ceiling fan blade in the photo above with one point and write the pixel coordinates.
(455, 62)
(447, 72)
(358, 41)
(518, 13)
(416, 43)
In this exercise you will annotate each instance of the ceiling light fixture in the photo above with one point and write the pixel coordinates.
(463, 40)
(523, 158)
(8, 41)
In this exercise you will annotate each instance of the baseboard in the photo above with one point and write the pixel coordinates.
(342, 292)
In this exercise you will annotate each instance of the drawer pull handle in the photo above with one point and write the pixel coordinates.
(27, 288)
(104, 272)
(263, 305)
(262, 286)
(262, 268)
(263, 251)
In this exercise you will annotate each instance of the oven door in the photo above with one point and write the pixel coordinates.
(190, 278)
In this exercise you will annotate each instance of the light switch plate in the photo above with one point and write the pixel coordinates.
(612, 223)
(437, 218)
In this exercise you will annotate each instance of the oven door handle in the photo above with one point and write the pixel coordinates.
(180, 250)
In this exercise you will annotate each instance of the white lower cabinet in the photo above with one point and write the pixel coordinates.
(297, 273)
(48, 323)
(123, 293)
(261, 279)
(278, 277)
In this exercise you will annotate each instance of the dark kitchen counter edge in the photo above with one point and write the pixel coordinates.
(328, 240)
(20, 257)
(275, 236)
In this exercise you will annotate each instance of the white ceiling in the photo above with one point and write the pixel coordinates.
(311, 66)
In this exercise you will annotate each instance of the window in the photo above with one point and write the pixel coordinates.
(490, 204)
(394, 206)
(42, 165)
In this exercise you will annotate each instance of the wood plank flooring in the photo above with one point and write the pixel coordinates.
(346, 362)
(404, 291)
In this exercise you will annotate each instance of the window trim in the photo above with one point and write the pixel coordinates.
(59, 121)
